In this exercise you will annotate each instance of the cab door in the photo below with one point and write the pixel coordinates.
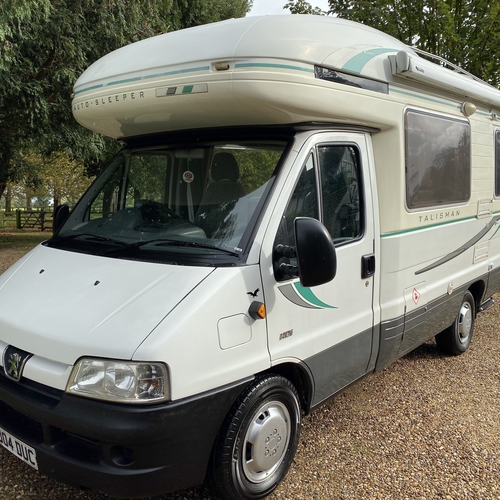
(329, 327)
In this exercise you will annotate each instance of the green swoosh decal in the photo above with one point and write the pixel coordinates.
(308, 295)
(357, 63)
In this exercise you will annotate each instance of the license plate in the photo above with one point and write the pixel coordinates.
(18, 448)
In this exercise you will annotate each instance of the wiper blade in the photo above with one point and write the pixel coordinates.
(87, 235)
(197, 245)
(171, 242)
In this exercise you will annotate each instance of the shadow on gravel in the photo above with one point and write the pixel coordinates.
(429, 350)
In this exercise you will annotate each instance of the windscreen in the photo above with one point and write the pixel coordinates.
(184, 205)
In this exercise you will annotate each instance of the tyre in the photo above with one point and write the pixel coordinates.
(257, 441)
(456, 339)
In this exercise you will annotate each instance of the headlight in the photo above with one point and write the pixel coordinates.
(120, 381)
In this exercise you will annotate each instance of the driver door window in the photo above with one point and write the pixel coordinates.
(338, 172)
(340, 192)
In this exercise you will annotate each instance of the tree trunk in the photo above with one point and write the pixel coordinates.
(5, 156)
(8, 199)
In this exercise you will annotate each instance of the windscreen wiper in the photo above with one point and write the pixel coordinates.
(171, 242)
(95, 237)
(197, 245)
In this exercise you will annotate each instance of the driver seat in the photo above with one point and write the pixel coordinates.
(225, 186)
(221, 194)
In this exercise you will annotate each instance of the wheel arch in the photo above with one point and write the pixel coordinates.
(477, 290)
(300, 376)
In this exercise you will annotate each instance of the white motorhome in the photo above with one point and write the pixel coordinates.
(300, 201)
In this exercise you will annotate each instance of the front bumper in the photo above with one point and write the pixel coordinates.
(121, 450)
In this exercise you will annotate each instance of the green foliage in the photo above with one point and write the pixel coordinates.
(188, 13)
(56, 177)
(303, 7)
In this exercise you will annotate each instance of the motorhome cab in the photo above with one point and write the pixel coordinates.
(299, 202)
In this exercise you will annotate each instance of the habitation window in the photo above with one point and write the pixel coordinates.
(437, 160)
(497, 163)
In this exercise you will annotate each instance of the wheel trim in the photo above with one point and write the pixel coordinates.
(465, 319)
(266, 441)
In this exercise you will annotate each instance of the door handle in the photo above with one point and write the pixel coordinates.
(367, 265)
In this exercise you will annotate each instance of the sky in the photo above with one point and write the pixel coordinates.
(265, 7)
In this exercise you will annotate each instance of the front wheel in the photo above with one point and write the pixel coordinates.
(455, 340)
(258, 440)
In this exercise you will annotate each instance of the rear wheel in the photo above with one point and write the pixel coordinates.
(258, 440)
(456, 339)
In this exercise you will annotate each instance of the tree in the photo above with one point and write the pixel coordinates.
(46, 44)
(57, 177)
(187, 13)
(303, 7)
(465, 32)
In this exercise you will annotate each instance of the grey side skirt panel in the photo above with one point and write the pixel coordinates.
(401, 335)
(340, 365)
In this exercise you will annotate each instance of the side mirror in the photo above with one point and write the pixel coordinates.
(61, 213)
(316, 256)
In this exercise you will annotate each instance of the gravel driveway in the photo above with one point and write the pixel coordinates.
(427, 427)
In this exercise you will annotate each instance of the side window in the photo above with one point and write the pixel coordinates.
(304, 200)
(108, 200)
(497, 163)
(302, 203)
(339, 168)
(437, 160)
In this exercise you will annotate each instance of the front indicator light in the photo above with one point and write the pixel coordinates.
(257, 310)
(120, 381)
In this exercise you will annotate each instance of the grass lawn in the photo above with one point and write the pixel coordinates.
(22, 239)
(14, 244)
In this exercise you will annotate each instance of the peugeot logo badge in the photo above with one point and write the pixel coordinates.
(13, 362)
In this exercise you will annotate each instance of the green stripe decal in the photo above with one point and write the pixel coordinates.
(145, 77)
(308, 295)
(274, 66)
(191, 70)
(423, 228)
(357, 63)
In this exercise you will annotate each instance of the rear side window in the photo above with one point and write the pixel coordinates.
(437, 160)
